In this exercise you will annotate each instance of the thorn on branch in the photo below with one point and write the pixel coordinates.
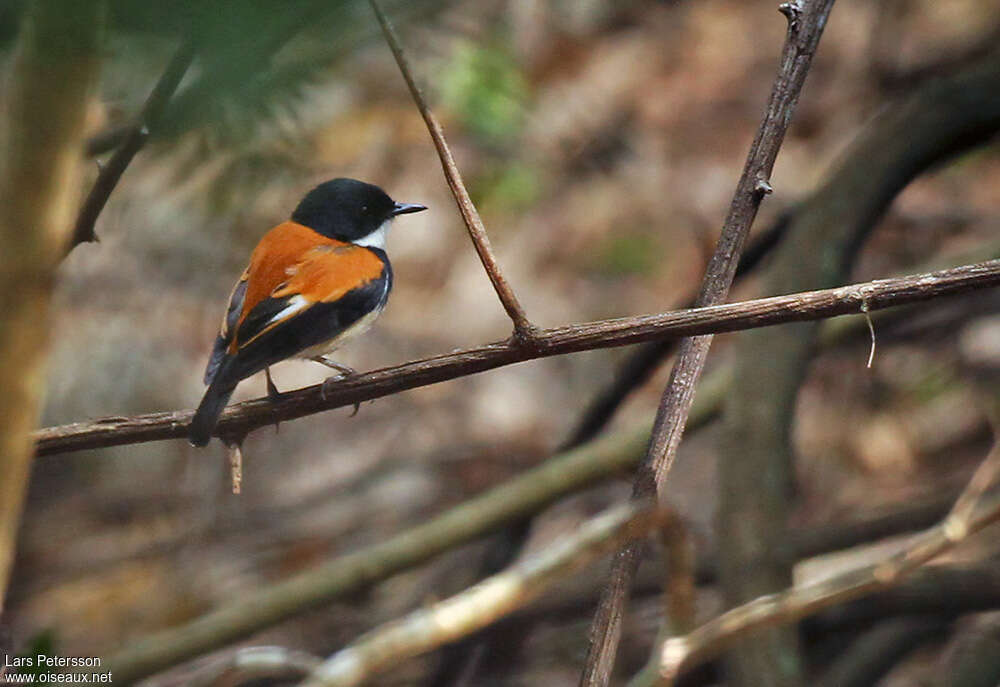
(763, 187)
(791, 10)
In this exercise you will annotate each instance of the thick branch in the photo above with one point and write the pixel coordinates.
(41, 141)
(243, 417)
(484, 603)
(133, 141)
(805, 26)
(523, 328)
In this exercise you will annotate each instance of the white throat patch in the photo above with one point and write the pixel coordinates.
(376, 239)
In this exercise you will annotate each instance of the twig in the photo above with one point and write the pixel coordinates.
(244, 417)
(805, 26)
(485, 602)
(678, 654)
(132, 143)
(259, 663)
(871, 332)
(236, 466)
(523, 329)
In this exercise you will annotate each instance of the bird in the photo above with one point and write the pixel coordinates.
(313, 282)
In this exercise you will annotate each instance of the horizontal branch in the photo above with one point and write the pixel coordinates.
(244, 417)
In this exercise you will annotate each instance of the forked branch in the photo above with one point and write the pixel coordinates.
(523, 329)
(135, 138)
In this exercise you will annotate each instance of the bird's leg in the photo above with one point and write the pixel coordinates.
(344, 371)
(273, 395)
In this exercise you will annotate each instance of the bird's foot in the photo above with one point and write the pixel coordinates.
(344, 371)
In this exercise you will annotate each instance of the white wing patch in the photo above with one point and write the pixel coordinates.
(295, 304)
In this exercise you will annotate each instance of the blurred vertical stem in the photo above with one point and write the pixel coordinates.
(41, 146)
(941, 119)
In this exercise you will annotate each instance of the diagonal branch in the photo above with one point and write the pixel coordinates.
(805, 27)
(811, 305)
(134, 139)
(524, 331)
(485, 603)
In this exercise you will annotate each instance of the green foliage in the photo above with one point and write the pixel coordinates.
(507, 188)
(42, 643)
(627, 254)
(484, 86)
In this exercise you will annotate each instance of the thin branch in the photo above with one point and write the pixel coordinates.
(523, 329)
(812, 305)
(486, 602)
(678, 654)
(133, 141)
(805, 26)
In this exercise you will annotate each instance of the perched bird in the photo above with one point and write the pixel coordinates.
(313, 282)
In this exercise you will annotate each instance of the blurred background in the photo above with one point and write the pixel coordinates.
(602, 143)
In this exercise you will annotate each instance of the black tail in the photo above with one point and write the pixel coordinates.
(211, 406)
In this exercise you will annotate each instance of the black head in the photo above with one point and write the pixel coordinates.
(348, 209)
